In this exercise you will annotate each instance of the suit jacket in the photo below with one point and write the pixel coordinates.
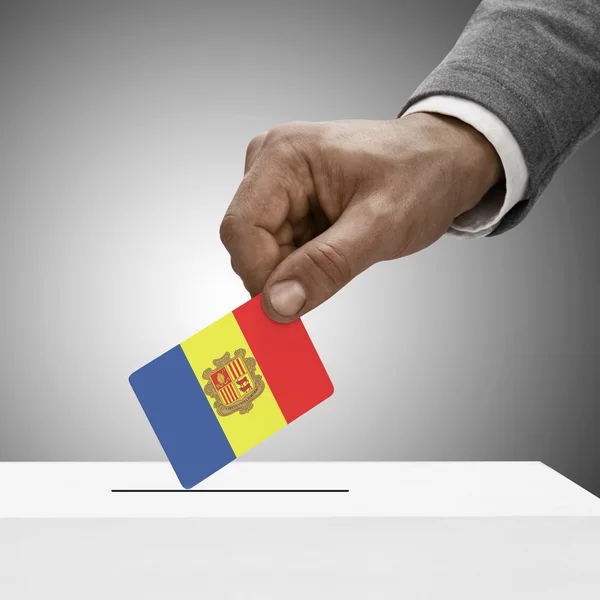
(536, 65)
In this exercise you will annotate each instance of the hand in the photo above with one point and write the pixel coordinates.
(322, 202)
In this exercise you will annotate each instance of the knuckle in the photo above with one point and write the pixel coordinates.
(287, 135)
(254, 146)
(228, 229)
(330, 261)
(287, 146)
(275, 135)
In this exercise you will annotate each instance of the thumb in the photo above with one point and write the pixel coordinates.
(323, 266)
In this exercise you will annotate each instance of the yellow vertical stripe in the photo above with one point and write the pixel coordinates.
(247, 430)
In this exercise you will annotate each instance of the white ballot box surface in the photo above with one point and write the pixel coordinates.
(297, 530)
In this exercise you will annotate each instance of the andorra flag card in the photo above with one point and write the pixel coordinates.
(229, 387)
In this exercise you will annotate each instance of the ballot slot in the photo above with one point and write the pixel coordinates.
(248, 491)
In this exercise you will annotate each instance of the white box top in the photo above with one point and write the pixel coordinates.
(292, 489)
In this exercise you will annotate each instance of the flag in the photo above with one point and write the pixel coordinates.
(229, 387)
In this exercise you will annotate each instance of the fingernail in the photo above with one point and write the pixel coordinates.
(287, 297)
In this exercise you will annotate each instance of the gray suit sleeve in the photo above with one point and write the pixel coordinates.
(536, 65)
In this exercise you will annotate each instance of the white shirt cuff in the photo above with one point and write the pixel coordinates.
(483, 218)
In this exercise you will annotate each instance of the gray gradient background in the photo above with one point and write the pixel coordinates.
(123, 127)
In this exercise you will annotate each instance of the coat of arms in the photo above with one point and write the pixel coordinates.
(233, 383)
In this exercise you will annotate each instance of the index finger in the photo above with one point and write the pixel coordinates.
(254, 229)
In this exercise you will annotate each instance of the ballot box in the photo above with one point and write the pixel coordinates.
(298, 530)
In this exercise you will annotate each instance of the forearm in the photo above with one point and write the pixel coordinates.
(536, 65)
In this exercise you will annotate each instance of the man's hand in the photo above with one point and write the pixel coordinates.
(322, 202)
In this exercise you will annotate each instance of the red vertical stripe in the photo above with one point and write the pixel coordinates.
(287, 358)
(233, 369)
(231, 394)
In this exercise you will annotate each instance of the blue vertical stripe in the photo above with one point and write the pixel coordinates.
(181, 417)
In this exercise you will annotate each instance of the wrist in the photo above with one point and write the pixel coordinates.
(471, 160)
